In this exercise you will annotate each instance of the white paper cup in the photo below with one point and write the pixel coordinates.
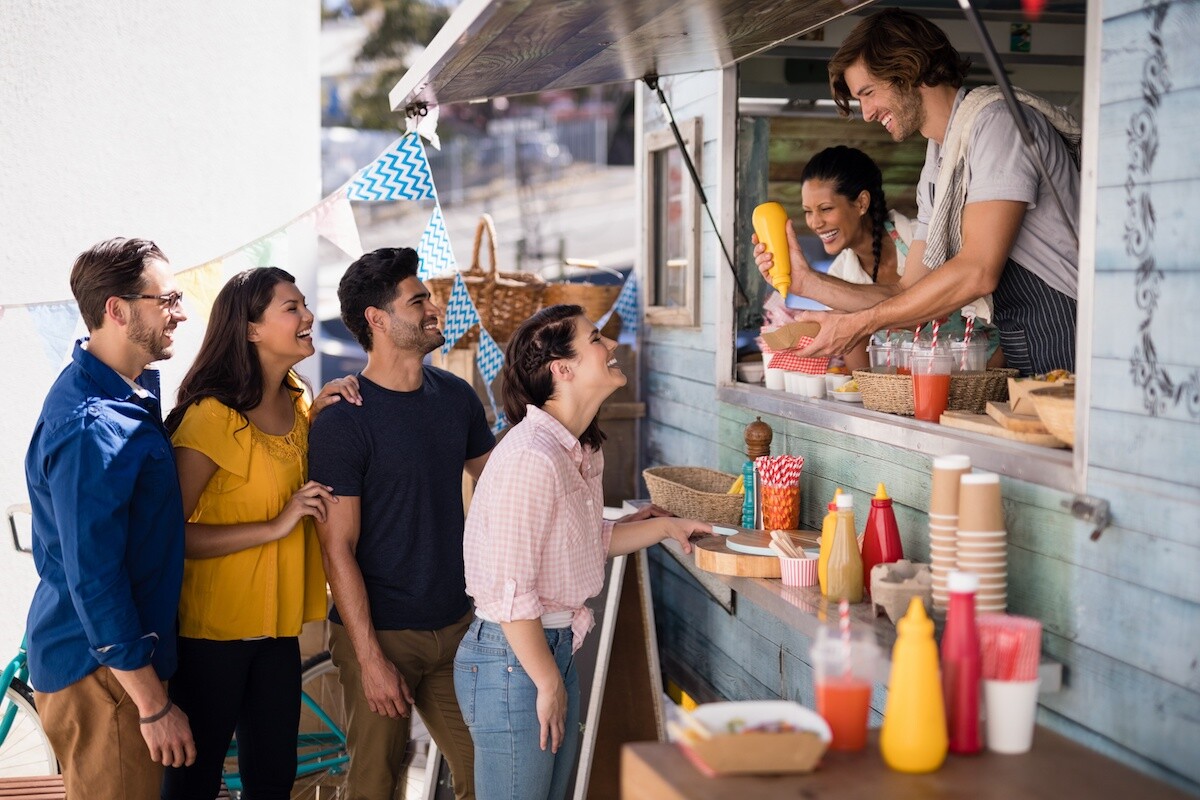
(775, 378)
(814, 386)
(793, 382)
(1011, 711)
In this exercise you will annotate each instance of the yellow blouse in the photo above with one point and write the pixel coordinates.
(270, 589)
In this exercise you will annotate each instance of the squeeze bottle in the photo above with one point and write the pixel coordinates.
(962, 665)
(844, 571)
(881, 539)
(827, 526)
(770, 221)
(913, 738)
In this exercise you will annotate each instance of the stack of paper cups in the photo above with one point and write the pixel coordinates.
(982, 541)
(943, 523)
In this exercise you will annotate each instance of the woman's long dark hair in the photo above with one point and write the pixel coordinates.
(546, 336)
(851, 172)
(227, 367)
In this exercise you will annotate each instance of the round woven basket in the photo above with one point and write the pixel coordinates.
(1056, 407)
(595, 298)
(695, 493)
(969, 391)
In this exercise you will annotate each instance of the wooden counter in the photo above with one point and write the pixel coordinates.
(1055, 768)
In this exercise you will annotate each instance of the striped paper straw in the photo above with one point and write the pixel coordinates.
(844, 626)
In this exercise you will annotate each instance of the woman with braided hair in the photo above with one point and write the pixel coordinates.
(534, 549)
(841, 191)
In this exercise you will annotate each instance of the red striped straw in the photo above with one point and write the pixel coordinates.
(844, 627)
(967, 328)
(937, 324)
(1010, 645)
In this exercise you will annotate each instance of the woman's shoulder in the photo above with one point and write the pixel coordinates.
(847, 267)
(208, 414)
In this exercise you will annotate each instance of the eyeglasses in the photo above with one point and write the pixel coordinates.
(168, 300)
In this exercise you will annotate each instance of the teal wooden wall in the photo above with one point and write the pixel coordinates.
(1120, 613)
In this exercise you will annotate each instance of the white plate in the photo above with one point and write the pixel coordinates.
(721, 530)
(847, 397)
(749, 549)
(716, 716)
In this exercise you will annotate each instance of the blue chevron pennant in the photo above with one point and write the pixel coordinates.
(626, 305)
(490, 358)
(460, 314)
(501, 421)
(400, 173)
(434, 249)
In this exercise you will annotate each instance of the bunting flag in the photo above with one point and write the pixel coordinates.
(626, 306)
(56, 323)
(490, 358)
(269, 251)
(200, 286)
(400, 173)
(461, 315)
(434, 249)
(334, 220)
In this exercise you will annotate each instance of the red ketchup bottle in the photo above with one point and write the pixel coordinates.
(881, 538)
(962, 664)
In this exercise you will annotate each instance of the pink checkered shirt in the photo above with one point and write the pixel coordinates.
(535, 539)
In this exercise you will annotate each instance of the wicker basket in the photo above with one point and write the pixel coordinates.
(969, 391)
(595, 298)
(503, 299)
(1056, 407)
(695, 493)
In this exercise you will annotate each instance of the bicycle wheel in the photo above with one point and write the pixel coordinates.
(321, 745)
(25, 749)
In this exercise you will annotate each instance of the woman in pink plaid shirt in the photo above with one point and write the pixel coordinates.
(535, 546)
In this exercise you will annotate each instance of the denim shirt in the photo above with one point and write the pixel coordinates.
(107, 529)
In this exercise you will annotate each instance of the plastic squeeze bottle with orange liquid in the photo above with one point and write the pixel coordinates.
(827, 526)
(914, 736)
(770, 224)
(845, 568)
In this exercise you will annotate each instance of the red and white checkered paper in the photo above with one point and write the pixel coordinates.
(787, 359)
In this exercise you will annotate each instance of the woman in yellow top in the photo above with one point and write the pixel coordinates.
(252, 574)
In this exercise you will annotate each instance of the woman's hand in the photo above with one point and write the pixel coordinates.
(552, 713)
(800, 266)
(645, 512)
(308, 501)
(333, 392)
(682, 530)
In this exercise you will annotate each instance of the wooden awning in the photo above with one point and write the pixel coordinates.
(495, 48)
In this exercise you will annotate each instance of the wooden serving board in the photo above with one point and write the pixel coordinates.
(981, 423)
(713, 554)
(758, 542)
(1008, 419)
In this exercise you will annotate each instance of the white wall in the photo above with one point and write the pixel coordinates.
(194, 124)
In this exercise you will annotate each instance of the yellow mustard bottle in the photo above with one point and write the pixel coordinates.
(827, 526)
(844, 570)
(770, 223)
(914, 736)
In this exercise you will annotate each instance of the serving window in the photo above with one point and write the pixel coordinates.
(673, 228)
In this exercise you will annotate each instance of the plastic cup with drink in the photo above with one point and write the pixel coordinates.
(931, 382)
(845, 666)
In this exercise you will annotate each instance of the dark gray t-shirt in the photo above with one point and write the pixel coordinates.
(402, 453)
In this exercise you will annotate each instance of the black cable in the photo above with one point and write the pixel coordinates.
(652, 82)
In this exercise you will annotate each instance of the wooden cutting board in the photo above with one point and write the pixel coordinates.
(758, 542)
(1025, 423)
(713, 554)
(981, 423)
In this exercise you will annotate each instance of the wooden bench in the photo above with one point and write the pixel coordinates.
(49, 787)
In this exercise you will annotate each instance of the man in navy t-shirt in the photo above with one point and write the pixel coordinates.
(392, 543)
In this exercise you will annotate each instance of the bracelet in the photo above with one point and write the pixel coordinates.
(156, 717)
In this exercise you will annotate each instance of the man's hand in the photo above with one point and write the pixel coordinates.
(170, 739)
(838, 332)
(800, 266)
(386, 690)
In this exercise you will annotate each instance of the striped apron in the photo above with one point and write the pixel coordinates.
(1036, 322)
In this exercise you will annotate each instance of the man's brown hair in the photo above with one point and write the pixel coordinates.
(900, 47)
(109, 269)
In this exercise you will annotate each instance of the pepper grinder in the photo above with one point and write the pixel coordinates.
(757, 436)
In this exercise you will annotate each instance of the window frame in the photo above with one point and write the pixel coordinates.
(654, 143)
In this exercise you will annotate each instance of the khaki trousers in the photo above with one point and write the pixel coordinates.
(93, 727)
(377, 743)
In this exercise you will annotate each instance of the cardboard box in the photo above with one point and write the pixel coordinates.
(788, 336)
(757, 753)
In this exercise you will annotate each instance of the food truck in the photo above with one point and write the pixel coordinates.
(1103, 540)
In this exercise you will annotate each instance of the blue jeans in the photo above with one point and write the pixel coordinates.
(499, 703)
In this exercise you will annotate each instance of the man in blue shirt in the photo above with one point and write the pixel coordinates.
(108, 536)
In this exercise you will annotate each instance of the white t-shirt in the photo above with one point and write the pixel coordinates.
(847, 266)
(1002, 169)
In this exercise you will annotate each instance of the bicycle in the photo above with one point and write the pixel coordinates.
(24, 748)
